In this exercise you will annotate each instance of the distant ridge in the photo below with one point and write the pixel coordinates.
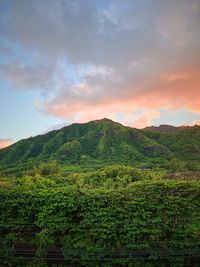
(165, 128)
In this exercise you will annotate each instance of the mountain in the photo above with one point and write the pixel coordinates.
(164, 128)
(106, 142)
(183, 141)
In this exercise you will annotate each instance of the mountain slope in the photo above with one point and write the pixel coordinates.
(95, 141)
(164, 128)
(184, 142)
(106, 142)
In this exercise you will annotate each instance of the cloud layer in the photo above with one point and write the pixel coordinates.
(119, 59)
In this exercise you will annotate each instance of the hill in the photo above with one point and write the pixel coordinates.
(164, 128)
(107, 142)
(183, 142)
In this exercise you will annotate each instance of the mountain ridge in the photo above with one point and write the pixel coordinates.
(105, 141)
(153, 128)
(166, 128)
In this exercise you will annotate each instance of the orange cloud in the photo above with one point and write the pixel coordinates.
(5, 142)
(169, 90)
(196, 122)
(145, 119)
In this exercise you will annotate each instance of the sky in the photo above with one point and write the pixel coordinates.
(63, 61)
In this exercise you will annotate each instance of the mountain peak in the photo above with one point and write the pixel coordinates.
(105, 120)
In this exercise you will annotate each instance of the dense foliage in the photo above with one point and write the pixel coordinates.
(114, 216)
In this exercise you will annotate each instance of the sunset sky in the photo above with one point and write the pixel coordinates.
(134, 61)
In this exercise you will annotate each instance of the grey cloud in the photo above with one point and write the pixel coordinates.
(21, 76)
(57, 28)
(73, 28)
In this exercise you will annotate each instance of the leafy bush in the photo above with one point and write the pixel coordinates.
(91, 225)
(48, 168)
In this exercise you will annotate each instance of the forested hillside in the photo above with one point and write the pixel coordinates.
(104, 141)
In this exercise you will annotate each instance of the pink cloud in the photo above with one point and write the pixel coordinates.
(171, 90)
(145, 119)
(196, 122)
(5, 142)
(174, 90)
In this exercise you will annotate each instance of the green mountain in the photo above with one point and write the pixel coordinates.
(183, 142)
(164, 128)
(107, 142)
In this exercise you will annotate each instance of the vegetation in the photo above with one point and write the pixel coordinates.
(106, 142)
(103, 216)
(101, 194)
